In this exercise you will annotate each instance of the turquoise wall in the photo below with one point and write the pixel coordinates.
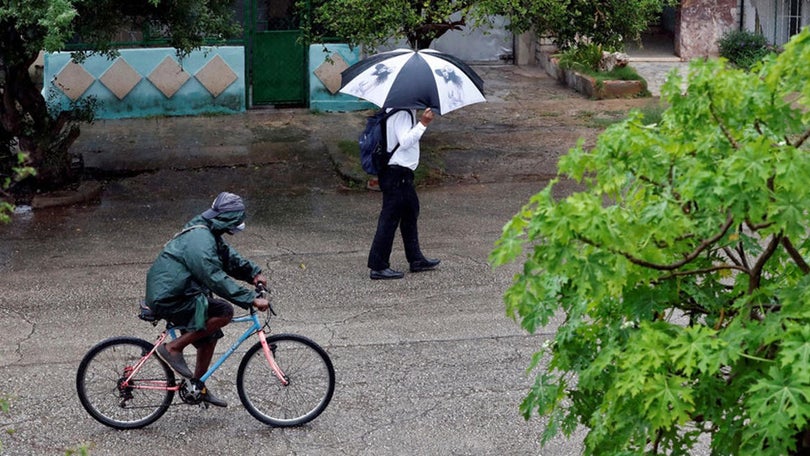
(98, 77)
(320, 97)
(145, 98)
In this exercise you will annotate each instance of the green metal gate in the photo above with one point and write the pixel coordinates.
(277, 59)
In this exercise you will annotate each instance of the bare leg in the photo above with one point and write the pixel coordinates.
(204, 352)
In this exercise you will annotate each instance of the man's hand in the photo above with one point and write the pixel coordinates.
(260, 279)
(427, 117)
(261, 304)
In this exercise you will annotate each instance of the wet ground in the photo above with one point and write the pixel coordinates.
(426, 365)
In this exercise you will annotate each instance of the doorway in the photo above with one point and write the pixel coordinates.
(276, 57)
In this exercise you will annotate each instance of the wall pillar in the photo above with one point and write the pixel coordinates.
(701, 23)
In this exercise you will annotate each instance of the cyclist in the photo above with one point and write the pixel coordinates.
(193, 266)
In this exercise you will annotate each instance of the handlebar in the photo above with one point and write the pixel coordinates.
(263, 293)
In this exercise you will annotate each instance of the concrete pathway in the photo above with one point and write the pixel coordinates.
(656, 71)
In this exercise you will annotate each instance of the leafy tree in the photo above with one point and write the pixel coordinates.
(679, 272)
(29, 26)
(609, 23)
(372, 23)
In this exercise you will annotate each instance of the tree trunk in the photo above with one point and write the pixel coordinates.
(24, 115)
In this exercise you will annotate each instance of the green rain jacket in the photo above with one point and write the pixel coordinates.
(194, 263)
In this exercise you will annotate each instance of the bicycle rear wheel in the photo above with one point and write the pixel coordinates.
(106, 366)
(311, 381)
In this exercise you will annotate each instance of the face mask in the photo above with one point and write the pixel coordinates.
(237, 229)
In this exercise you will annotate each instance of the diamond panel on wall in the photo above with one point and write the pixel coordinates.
(73, 80)
(120, 78)
(329, 72)
(216, 76)
(168, 77)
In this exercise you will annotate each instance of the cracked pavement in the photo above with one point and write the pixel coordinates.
(427, 365)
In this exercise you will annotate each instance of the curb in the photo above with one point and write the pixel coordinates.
(87, 192)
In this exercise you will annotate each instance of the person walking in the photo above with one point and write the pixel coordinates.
(193, 266)
(400, 204)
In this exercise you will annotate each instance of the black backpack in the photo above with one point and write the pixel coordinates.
(374, 155)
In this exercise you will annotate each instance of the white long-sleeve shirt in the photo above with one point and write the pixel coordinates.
(403, 128)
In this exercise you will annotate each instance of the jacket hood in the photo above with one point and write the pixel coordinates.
(222, 223)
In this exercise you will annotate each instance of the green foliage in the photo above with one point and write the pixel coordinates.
(12, 169)
(3, 409)
(679, 273)
(609, 23)
(743, 48)
(185, 25)
(81, 450)
(586, 60)
(625, 73)
(582, 58)
(373, 23)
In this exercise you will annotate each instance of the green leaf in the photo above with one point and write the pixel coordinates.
(779, 407)
(695, 350)
(667, 401)
(795, 351)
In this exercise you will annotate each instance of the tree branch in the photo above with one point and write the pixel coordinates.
(756, 271)
(720, 267)
(731, 256)
(795, 255)
(722, 126)
(669, 267)
(802, 139)
(757, 227)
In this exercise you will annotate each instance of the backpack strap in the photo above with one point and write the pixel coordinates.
(385, 128)
(184, 231)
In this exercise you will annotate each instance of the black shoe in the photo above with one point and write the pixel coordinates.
(386, 273)
(208, 396)
(424, 265)
(176, 362)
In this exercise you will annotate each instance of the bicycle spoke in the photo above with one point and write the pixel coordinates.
(311, 381)
(100, 379)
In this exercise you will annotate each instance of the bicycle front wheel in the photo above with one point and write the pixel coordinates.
(100, 384)
(310, 376)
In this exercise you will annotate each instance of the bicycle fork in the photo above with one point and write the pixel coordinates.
(271, 360)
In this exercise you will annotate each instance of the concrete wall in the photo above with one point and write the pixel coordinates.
(150, 82)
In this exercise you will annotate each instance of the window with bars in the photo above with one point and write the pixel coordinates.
(790, 17)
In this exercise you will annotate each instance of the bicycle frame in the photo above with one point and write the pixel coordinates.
(170, 332)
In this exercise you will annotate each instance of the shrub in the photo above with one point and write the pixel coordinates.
(743, 48)
(584, 58)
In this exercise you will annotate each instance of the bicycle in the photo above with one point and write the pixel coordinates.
(283, 380)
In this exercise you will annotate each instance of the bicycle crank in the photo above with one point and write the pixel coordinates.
(191, 391)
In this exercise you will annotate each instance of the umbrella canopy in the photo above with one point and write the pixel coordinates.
(404, 78)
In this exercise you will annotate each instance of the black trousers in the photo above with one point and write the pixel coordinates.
(400, 208)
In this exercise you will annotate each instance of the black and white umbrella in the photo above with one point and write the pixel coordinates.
(404, 78)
